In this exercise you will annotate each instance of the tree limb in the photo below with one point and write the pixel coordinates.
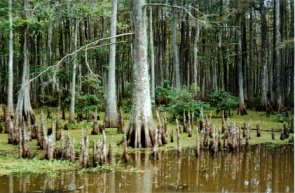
(76, 51)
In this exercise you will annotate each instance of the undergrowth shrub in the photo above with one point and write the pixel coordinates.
(223, 101)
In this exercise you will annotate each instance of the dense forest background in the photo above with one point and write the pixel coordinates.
(243, 47)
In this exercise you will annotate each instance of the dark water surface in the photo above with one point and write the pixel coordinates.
(261, 169)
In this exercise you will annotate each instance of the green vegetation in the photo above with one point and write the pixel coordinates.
(10, 163)
(224, 101)
(176, 101)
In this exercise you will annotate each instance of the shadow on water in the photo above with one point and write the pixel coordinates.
(261, 169)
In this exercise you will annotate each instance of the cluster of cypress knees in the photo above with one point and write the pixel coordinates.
(207, 137)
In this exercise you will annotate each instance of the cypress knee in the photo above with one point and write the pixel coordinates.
(258, 131)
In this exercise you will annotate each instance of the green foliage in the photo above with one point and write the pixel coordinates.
(223, 100)
(88, 102)
(194, 88)
(92, 81)
(182, 100)
(165, 91)
(283, 117)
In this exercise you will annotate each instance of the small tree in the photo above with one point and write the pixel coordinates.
(224, 101)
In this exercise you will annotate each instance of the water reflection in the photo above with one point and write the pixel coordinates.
(260, 169)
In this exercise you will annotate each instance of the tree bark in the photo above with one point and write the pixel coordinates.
(277, 61)
(152, 55)
(24, 108)
(9, 110)
(251, 55)
(291, 58)
(175, 47)
(264, 46)
(141, 129)
(242, 107)
(111, 118)
(195, 79)
(73, 85)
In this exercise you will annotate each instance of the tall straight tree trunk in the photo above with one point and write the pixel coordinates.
(242, 107)
(111, 118)
(291, 58)
(141, 128)
(23, 107)
(152, 55)
(195, 71)
(277, 61)
(244, 55)
(73, 84)
(264, 46)
(9, 110)
(251, 55)
(175, 47)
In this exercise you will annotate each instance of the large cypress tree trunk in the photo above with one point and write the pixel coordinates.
(251, 57)
(111, 118)
(196, 62)
(277, 58)
(152, 55)
(242, 107)
(291, 58)
(175, 47)
(264, 46)
(24, 108)
(9, 110)
(141, 128)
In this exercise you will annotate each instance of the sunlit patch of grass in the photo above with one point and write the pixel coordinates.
(12, 165)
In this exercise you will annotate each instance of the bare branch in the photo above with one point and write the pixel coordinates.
(76, 51)
(172, 6)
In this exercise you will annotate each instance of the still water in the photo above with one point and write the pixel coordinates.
(261, 169)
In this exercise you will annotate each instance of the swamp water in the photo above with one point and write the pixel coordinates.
(261, 169)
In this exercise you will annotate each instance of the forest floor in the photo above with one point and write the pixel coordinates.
(10, 163)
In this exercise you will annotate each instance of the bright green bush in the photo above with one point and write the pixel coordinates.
(88, 102)
(223, 100)
(178, 101)
(182, 100)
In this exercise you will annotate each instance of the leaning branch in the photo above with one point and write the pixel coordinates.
(91, 44)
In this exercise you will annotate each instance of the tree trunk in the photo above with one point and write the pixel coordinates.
(251, 55)
(24, 108)
(291, 58)
(264, 46)
(111, 118)
(175, 47)
(141, 128)
(152, 55)
(195, 70)
(9, 110)
(277, 58)
(242, 107)
(73, 85)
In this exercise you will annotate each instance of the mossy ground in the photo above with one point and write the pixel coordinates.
(10, 163)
